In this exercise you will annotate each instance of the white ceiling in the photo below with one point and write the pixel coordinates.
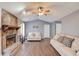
(60, 9)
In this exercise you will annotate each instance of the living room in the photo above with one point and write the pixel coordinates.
(39, 29)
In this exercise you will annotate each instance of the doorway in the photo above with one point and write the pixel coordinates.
(46, 31)
(58, 27)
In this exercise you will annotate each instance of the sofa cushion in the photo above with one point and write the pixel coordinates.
(77, 54)
(67, 41)
(75, 44)
(66, 51)
(33, 34)
(56, 36)
(60, 39)
(62, 49)
(69, 36)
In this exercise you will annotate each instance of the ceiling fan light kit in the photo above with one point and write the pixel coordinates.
(38, 9)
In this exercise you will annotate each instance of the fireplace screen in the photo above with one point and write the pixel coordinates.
(10, 39)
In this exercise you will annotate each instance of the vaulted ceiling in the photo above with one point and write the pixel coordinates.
(59, 10)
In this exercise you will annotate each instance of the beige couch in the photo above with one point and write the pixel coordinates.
(62, 49)
(34, 36)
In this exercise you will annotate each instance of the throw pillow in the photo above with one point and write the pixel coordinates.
(60, 39)
(56, 36)
(67, 41)
(75, 45)
(77, 54)
(33, 34)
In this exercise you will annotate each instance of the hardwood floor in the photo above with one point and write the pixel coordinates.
(42, 48)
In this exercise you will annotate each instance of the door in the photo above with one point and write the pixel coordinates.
(58, 27)
(46, 31)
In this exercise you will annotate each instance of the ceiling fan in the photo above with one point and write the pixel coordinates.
(39, 9)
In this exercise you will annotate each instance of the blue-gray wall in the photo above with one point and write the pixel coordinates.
(53, 29)
(29, 26)
(70, 24)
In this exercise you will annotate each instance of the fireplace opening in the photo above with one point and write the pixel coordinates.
(10, 39)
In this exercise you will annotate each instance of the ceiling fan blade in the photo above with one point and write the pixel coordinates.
(33, 8)
(47, 11)
(28, 9)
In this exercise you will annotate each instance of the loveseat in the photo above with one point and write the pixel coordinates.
(66, 45)
(33, 36)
